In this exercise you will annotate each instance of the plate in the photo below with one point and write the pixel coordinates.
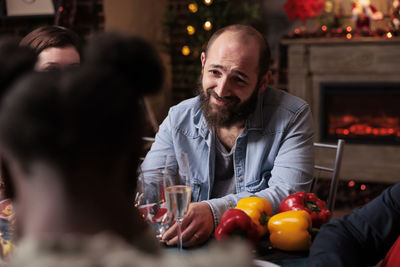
(260, 263)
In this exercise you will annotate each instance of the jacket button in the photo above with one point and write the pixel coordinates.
(240, 179)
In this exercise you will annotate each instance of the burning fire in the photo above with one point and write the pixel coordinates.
(351, 126)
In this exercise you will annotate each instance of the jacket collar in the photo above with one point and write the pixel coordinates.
(199, 120)
(255, 120)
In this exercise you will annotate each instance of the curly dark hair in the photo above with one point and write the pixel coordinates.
(15, 62)
(83, 120)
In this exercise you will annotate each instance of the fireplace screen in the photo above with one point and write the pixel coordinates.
(361, 112)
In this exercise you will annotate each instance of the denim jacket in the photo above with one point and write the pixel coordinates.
(273, 156)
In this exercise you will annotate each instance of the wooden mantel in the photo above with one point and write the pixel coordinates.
(313, 61)
(337, 40)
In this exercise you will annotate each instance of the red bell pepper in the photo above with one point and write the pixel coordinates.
(310, 203)
(237, 222)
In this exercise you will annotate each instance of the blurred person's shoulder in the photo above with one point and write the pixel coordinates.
(106, 250)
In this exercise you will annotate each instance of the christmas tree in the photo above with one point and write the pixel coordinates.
(189, 25)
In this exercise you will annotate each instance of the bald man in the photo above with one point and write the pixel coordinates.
(242, 137)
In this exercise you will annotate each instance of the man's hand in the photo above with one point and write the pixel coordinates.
(197, 226)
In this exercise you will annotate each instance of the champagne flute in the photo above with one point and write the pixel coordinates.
(150, 200)
(177, 189)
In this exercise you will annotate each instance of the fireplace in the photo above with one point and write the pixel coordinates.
(367, 113)
(357, 82)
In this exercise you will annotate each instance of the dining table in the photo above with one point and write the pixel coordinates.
(264, 254)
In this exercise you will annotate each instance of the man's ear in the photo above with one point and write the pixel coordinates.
(203, 59)
(264, 81)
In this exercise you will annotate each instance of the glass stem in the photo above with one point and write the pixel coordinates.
(179, 222)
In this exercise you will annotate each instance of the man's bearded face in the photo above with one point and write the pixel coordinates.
(227, 115)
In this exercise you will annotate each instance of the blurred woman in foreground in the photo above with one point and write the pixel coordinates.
(71, 141)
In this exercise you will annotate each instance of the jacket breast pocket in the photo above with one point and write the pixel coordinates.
(259, 184)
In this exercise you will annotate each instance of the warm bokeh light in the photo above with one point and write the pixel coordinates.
(185, 50)
(351, 183)
(193, 7)
(328, 6)
(207, 2)
(297, 31)
(363, 187)
(389, 35)
(190, 29)
(349, 36)
(346, 132)
(348, 29)
(207, 25)
(324, 28)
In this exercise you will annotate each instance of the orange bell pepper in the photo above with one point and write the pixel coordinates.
(290, 230)
(259, 210)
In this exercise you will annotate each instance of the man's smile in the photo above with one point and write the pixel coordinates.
(222, 101)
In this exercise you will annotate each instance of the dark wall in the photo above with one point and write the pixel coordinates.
(87, 18)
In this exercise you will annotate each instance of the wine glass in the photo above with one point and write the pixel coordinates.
(150, 200)
(177, 189)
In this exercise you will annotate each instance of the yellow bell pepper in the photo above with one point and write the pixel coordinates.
(259, 210)
(289, 230)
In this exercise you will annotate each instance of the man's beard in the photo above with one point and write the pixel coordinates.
(226, 116)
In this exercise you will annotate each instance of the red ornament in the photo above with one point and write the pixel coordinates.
(66, 13)
(303, 9)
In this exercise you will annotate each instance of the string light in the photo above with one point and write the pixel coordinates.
(185, 50)
(389, 35)
(349, 36)
(190, 29)
(324, 28)
(207, 25)
(328, 6)
(348, 29)
(207, 2)
(193, 7)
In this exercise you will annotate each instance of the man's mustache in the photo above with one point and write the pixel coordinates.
(233, 99)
